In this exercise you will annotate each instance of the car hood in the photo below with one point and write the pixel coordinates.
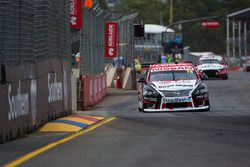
(175, 85)
(210, 67)
(247, 64)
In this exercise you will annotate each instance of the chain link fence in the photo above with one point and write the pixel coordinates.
(33, 30)
(126, 38)
(35, 47)
(92, 39)
(51, 29)
(17, 42)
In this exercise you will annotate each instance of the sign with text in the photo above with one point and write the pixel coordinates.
(111, 39)
(76, 14)
(210, 24)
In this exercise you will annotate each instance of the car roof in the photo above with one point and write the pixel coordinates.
(211, 57)
(170, 67)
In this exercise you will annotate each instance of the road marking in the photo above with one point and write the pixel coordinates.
(28, 156)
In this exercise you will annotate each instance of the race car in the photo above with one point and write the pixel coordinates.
(172, 87)
(213, 66)
(246, 66)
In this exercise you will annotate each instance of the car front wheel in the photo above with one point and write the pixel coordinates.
(225, 77)
(141, 105)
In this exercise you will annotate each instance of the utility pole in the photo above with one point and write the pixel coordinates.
(171, 21)
(170, 11)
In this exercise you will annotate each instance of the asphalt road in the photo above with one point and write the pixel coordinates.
(220, 137)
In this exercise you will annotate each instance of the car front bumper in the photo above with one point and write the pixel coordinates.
(176, 109)
(214, 73)
(178, 104)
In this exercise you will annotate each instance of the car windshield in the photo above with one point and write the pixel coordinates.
(173, 75)
(210, 61)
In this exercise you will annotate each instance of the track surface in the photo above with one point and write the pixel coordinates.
(220, 137)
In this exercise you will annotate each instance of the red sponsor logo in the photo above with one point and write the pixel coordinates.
(210, 24)
(76, 14)
(172, 68)
(111, 39)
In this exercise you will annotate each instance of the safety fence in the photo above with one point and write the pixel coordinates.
(126, 38)
(35, 71)
(93, 39)
(92, 90)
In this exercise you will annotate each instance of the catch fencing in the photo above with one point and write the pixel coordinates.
(92, 39)
(92, 44)
(35, 64)
(126, 38)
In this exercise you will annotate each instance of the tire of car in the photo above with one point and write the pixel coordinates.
(225, 77)
(207, 103)
(141, 109)
(208, 109)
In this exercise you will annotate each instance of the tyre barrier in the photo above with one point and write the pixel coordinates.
(94, 90)
(33, 94)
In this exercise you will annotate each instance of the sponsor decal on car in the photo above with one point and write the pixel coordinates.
(210, 67)
(175, 85)
(177, 99)
(188, 68)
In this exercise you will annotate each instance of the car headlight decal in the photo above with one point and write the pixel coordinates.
(148, 91)
(200, 90)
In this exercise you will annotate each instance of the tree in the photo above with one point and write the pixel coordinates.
(198, 38)
(149, 11)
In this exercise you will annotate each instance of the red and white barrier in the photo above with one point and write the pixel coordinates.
(94, 89)
(235, 68)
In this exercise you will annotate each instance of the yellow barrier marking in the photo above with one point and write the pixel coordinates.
(28, 156)
(100, 118)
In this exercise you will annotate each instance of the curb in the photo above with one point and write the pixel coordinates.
(72, 123)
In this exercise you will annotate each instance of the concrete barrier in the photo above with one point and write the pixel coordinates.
(111, 76)
(127, 79)
(74, 93)
(33, 94)
(94, 90)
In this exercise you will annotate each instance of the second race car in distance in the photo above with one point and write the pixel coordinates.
(246, 66)
(172, 87)
(213, 66)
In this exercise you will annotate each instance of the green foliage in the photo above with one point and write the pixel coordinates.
(149, 11)
(103, 4)
(198, 38)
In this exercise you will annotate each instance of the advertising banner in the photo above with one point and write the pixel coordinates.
(76, 14)
(111, 39)
(210, 24)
